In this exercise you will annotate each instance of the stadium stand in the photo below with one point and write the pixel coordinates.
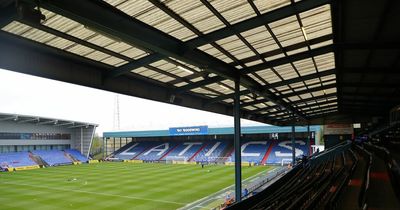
(253, 151)
(77, 155)
(15, 159)
(157, 151)
(314, 184)
(185, 149)
(281, 151)
(53, 157)
(258, 152)
(211, 152)
(133, 150)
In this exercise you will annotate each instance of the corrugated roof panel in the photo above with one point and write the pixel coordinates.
(118, 47)
(266, 6)
(148, 73)
(181, 84)
(114, 61)
(101, 40)
(140, 69)
(98, 56)
(330, 90)
(299, 50)
(312, 81)
(81, 32)
(260, 39)
(202, 91)
(163, 78)
(133, 7)
(235, 47)
(146, 12)
(300, 88)
(305, 96)
(286, 71)
(38, 35)
(294, 98)
(220, 88)
(329, 77)
(287, 31)
(250, 108)
(325, 61)
(196, 14)
(321, 44)
(80, 50)
(229, 100)
(234, 10)
(256, 78)
(305, 66)
(134, 53)
(197, 79)
(329, 82)
(60, 43)
(297, 85)
(58, 22)
(260, 105)
(209, 49)
(16, 27)
(315, 85)
(269, 75)
(178, 31)
(317, 22)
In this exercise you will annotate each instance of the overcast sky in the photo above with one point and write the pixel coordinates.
(25, 94)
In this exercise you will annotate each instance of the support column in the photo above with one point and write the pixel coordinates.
(293, 146)
(308, 139)
(105, 146)
(238, 160)
(81, 140)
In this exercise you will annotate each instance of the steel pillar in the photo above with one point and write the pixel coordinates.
(238, 165)
(293, 146)
(308, 139)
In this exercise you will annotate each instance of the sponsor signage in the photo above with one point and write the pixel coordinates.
(194, 130)
(338, 129)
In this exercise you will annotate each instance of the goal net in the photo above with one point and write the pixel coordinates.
(286, 162)
(217, 160)
(176, 159)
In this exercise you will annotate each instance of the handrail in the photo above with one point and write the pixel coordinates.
(312, 162)
(391, 165)
(362, 198)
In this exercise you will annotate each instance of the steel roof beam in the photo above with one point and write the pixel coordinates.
(43, 59)
(240, 27)
(291, 58)
(288, 48)
(251, 103)
(102, 16)
(266, 87)
(299, 107)
(314, 89)
(269, 64)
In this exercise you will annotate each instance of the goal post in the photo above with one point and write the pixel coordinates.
(176, 160)
(218, 160)
(286, 161)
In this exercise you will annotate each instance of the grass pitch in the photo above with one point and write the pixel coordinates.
(114, 186)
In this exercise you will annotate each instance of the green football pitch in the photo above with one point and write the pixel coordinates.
(115, 186)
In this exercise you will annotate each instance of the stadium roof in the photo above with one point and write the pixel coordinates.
(309, 61)
(28, 119)
(212, 131)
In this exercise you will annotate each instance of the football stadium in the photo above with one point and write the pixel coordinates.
(320, 77)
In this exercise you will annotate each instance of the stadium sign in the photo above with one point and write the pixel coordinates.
(195, 130)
